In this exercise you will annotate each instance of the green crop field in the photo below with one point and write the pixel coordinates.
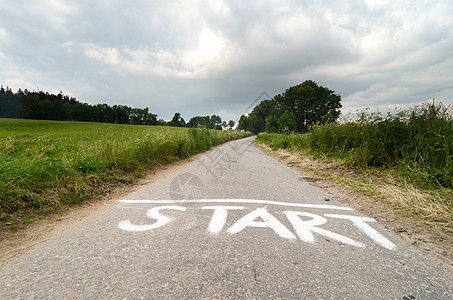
(44, 164)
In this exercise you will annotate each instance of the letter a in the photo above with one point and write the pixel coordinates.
(269, 221)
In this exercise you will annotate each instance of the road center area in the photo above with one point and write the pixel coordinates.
(304, 225)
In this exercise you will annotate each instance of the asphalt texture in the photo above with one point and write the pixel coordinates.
(234, 224)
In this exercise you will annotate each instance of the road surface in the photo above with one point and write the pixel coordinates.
(233, 224)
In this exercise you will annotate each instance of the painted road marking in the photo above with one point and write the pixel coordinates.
(359, 222)
(305, 229)
(269, 222)
(219, 217)
(242, 201)
(305, 224)
(152, 213)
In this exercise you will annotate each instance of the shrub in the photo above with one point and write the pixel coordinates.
(417, 142)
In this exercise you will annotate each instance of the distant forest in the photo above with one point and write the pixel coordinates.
(44, 106)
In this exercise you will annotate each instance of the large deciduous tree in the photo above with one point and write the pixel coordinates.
(209, 122)
(177, 121)
(311, 104)
(256, 120)
(298, 108)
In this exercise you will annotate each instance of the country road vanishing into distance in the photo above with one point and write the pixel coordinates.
(233, 224)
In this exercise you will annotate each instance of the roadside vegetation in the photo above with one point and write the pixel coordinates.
(47, 164)
(296, 110)
(411, 149)
(40, 105)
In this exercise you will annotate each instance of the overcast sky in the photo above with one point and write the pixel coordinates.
(216, 57)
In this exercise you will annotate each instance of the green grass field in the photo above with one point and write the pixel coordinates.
(44, 164)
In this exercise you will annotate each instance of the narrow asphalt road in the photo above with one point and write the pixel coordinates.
(233, 224)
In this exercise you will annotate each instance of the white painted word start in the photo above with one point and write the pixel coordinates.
(261, 218)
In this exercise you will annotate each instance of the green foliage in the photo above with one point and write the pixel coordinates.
(48, 163)
(209, 122)
(256, 121)
(177, 121)
(299, 108)
(311, 104)
(287, 122)
(418, 143)
(45, 106)
(244, 123)
(272, 125)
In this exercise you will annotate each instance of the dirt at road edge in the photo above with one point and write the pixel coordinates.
(44, 227)
(434, 243)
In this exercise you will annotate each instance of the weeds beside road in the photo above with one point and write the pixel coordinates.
(416, 144)
(403, 163)
(46, 164)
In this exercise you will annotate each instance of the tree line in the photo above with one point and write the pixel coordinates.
(296, 110)
(25, 104)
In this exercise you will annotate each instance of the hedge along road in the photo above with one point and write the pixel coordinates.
(233, 224)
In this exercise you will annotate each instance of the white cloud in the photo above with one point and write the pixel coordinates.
(218, 7)
(58, 7)
(147, 62)
(2, 33)
(110, 56)
(211, 56)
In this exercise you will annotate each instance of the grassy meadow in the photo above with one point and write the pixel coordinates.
(413, 147)
(46, 164)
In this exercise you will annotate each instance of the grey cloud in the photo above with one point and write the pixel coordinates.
(205, 57)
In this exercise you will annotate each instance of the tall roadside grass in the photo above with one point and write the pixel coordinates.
(416, 144)
(45, 164)
(403, 161)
